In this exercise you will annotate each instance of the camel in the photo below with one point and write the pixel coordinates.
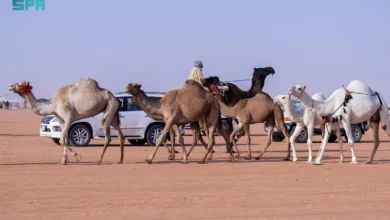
(177, 109)
(305, 118)
(140, 98)
(258, 109)
(234, 94)
(74, 102)
(351, 105)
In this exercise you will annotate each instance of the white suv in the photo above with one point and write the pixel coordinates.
(136, 126)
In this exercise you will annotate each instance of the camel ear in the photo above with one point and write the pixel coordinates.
(28, 83)
(304, 87)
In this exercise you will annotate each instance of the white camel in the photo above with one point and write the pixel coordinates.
(303, 117)
(351, 105)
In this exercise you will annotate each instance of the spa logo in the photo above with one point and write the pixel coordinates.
(24, 5)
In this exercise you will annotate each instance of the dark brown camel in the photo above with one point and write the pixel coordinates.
(232, 96)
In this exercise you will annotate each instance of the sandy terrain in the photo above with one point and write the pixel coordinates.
(34, 186)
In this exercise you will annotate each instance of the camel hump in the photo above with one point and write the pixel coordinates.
(88, 82)
(359, 86)
(192, 83)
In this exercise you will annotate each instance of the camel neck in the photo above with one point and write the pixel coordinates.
(227, 111)
(38, 107)
(151, 107)
(256, 87)
(322, 108)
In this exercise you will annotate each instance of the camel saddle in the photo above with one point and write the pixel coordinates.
(222, 86)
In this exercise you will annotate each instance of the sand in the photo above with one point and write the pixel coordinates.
(34, 186)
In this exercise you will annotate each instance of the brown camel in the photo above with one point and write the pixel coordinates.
(140, 98)
(234, 94)
(177, 109)
(74, 102)
(261, 108)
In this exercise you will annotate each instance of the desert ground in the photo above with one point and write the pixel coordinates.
(34, 186)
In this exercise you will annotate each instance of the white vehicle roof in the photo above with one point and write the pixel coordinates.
(149, 94)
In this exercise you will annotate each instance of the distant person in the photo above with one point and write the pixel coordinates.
(196, 73)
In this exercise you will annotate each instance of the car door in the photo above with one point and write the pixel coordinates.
(133, 117)
(122, 111)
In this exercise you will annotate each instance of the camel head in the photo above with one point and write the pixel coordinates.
(296, 90)
(20, 88)
(134, 89)
(262, 72)
(282, 99)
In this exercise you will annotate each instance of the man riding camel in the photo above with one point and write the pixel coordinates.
(196, 73)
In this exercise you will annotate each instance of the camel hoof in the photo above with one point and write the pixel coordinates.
(295, 160)
(354, 162)
(99, 162)
(341, 161)
(184, 162)
(171, 158)
(257, 158)
(317, 163)
(120, 162)
(369, 162)
(286, 159)
(78, 157)
(227, 151)
(176, 152)
(247, 158)
(200, 162)
(148, 161)
(64, 162)
(309, 162)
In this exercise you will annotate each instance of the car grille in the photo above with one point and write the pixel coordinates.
(46, 119)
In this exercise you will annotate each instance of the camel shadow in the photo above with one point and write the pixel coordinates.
(18, 135)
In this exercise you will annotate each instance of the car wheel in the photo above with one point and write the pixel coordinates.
(153, 133)
(137, 142)
(277, 138)
(227, 125)
(302, 137)
(356, 133)
(332, 138)
(56, 141)
(80, 135)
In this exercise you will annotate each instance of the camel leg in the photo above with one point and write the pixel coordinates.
(337, 128)
(287, 135)
(172, 150)
(118, 132)
(65, 126)
(270, 129)
(211, 143)
(168, 126)
(195, 132)
(238, 128)
(310, 131)
(225, 136)
(375, 128)
(348, 131)
(181, 141)
(297, 131)
(106, 142)
(328, 129)
(248, 141)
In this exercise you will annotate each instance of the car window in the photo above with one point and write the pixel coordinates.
(128, 105)
(297, 105)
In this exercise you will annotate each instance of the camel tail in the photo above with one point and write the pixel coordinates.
(384, 115)
(279, 120)
(117, 117)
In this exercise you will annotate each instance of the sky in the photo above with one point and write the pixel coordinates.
(322, 44)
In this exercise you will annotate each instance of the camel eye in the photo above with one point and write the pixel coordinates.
(283, 97)
(299, 89)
